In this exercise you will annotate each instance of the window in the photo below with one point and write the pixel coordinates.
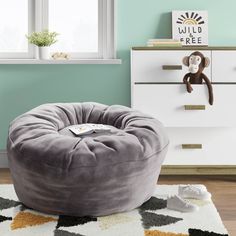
(78, 26)
(85, 27)
(16, 22)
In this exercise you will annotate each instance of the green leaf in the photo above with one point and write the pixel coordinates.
(43, 38)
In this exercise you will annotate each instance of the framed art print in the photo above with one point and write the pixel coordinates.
(190, 27)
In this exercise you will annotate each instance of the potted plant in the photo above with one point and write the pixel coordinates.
(43, 40)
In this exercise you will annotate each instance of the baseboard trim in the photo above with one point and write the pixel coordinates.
(3, 159)
(198, 170)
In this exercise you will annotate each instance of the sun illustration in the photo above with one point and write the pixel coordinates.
(190, 19)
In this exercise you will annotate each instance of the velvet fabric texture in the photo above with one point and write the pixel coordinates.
(57, 172)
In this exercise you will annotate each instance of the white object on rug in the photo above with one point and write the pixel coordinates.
(177, 203)
(150, 217)
(194, 191)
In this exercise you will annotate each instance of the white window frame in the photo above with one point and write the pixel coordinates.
(31, 23)
(38, 21)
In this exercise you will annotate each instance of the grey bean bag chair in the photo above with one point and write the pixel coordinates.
(98, 174)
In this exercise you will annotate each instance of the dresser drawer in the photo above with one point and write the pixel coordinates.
(224, 66)
(161, 66)
(173, 105)
(218, 146)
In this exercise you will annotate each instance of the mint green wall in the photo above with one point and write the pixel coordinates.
(23, 87)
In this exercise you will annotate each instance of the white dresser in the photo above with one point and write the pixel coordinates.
(200, 134)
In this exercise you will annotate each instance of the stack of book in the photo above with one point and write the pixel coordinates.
(164, 43)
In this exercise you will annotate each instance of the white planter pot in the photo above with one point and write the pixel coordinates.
(44, 53)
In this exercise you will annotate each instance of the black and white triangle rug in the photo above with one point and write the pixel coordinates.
(151, 219)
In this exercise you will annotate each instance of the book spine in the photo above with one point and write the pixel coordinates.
(164, 45)
(163, 40)
(167, 43)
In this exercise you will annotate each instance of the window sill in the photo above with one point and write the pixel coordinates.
(70, 61)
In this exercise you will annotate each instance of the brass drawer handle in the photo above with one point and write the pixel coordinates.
(172, 67)
(191, 146)
(194, 107)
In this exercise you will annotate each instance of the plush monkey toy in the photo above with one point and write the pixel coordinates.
(196, 63)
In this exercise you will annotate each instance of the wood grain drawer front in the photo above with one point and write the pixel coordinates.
(224, 66)
(168, 104)
(161, 66)
(218, 146)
